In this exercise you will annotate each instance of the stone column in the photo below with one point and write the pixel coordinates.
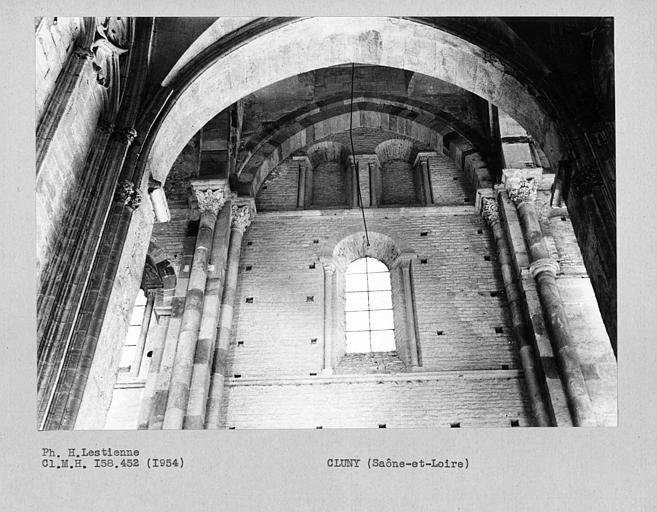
(165, 357)
(242, 215)
(163, 315)
(544, 270)
(374, 183)
(328, 344)
(102, 243)
(141, 341)
(200, 384)
(403, 261)
(543, 418)
(421, 167)
(210, 202)
(301, 183)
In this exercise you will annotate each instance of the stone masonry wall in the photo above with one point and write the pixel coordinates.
(64, 161)
(55, 39)
(590, 337)
(278, 325)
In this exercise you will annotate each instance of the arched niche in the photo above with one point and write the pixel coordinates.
(400, 183)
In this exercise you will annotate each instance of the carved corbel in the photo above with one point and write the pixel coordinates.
(490, 211)
(128, 194)
(521, 189)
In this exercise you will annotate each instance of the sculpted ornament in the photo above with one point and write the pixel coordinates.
(210, 201)
(521, 189)
(584, 180)
(113, 37)
(490, 211)
(128, 194)
(548, 265)
(241, 217)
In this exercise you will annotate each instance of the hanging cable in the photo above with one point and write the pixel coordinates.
(353, 153)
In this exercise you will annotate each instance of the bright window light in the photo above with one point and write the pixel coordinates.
(368, 306)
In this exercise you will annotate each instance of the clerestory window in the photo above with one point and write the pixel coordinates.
(368, 304)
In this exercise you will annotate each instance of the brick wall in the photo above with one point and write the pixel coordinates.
(398, 183)
(279, 192)
(470, 371)
(274, 333)
(435, 401)
(329, 185)
(450, 184)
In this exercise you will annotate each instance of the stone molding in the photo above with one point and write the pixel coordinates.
(128, 135)
(490, 211)
(404, 259)
(128, 194)
(544, 265)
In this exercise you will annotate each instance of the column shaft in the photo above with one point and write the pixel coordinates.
(159, 336)
(200, 382)
(329, 317)
(301, 192)
(166, 359)
(408, 311)
(191, 320)
(224, 331)
(542, 414)
(426, 180)
(544, 271)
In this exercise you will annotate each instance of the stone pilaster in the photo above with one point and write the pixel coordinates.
(423, 177)
(157, 339)
(82, 393)
(522, 192)
(535, 386)
(328, 343)
(403, 263)
(303, 164)
(141, 341)
(210, 201)
(242, 215)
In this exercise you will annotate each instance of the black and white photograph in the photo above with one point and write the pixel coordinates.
(325, 222)
(340, 258)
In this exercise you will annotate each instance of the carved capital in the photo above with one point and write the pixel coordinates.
(241, 217)
(329, 267)
(404, 260)
(490, 211)
(544, 265)
(84, 53)
(210, 201)
(520, 189)
(128, 194)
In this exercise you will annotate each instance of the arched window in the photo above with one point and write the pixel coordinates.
(369, 319)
